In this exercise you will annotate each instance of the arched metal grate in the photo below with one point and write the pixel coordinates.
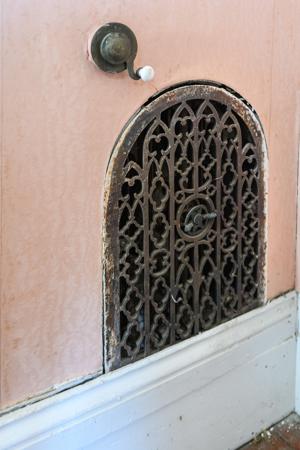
(184, 230)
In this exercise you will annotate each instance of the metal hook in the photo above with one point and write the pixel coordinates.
(178, 300)
(174, 295)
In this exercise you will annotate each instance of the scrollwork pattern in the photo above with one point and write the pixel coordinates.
(188, 234)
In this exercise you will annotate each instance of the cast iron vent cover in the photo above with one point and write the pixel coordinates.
(184, 221)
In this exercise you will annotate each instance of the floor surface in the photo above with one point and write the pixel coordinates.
(283, 436)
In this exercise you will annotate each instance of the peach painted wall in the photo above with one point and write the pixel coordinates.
(60, 118)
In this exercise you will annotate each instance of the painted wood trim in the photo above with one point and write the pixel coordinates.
(218, 389)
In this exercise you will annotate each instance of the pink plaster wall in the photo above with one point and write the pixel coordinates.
(60, 118)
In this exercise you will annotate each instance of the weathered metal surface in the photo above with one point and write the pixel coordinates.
(112, 46)
(113, 49)
(184, 221)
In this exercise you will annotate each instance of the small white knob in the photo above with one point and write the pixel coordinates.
(146, 73)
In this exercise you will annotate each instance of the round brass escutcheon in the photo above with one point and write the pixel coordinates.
(113, 47)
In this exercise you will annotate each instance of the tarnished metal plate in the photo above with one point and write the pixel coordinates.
(184, 221)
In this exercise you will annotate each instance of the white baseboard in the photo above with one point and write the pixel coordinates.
(212, 392)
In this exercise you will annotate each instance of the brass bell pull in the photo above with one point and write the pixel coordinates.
(113, 49)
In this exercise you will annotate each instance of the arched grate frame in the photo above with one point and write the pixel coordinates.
(184, 221)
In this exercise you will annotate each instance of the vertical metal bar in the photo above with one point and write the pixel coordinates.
(172, 234)
(219, 151)
(239, 224)
(196, 280)
(146, 248)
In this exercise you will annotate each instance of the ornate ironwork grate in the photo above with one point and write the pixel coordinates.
(184, 230)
